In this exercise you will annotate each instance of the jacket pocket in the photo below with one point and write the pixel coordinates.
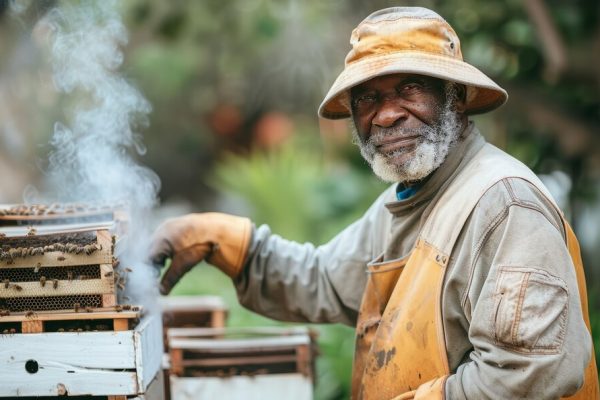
(530, 310)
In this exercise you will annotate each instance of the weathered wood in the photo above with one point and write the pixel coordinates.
(237, 361)
(88, 363)
(254, 344)
(59, 258)
(233, 351)
(32, 326)
(117, 397)
(218, 319)
(193, 311)
(149, 348)
(176, 356)
(69, 315)
(109, 300)
(263, 387)
(63, 288)
(121, 324)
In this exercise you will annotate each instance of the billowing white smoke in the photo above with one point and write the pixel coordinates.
(91, 158)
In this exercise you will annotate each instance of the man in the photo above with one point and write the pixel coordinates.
(463, 279)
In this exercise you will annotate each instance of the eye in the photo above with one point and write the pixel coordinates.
(410, 88)
(364, 100)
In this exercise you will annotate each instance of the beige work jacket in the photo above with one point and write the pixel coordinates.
(513, 226)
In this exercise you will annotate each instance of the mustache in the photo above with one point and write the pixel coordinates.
(380, 134)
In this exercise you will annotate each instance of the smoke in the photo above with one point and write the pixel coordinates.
(92, 153)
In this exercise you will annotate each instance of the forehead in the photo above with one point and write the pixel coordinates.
(390, 81)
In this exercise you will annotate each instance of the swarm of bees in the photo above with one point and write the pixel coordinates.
(50, 209)
(10, 254)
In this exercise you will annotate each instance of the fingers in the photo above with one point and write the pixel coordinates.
(161, 246)
(182, 262)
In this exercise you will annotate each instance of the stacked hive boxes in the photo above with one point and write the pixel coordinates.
(59, 289)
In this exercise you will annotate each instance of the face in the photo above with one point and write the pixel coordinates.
(405, 124)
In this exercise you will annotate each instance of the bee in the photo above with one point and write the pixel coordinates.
(59, 247)
(108, 274)
(12, 331)
(135, 308)
(121, 286)
(37, 268)
(61, 330)
(6, 283)
(126, 307)
(60, 258)
(116, 263)
(4, 313)
(76, 307)
(29, 314)
(5, 332)
(42, 281)
(32, 231)
(70, 275)
(89, 309)
(54, 283)
(17, 287)
(118, 308)
(2, 235)
(128, 269)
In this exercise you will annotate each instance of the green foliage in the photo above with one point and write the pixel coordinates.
(294, 191)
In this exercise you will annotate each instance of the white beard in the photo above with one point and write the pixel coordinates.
(431, 151)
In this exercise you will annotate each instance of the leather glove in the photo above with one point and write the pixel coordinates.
(221, 239)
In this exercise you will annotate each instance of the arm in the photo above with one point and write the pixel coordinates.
(300, 282)
(522, 307)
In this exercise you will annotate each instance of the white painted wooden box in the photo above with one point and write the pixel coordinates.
(87, 363)
(260, 387)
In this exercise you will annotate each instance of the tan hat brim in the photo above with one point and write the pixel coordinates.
(486, 97)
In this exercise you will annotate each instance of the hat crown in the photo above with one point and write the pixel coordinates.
(400, 29)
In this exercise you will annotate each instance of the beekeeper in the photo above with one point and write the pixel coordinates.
(463, 279)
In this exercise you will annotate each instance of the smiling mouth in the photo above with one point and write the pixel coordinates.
(390, 145)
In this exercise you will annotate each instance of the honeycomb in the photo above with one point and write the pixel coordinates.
(79, 238)
(50, 302)
(78, 272)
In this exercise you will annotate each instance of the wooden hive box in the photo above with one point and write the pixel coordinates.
(115, 364)
(56, 268)
(265, 363)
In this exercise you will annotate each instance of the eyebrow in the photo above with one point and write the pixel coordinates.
(360, 89)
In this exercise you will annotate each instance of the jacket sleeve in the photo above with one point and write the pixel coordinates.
(528, 336)
(290, 281)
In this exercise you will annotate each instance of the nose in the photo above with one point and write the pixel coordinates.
(389, 113)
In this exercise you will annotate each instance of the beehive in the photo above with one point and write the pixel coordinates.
(56, 270)
(63, 329)
(231, 363)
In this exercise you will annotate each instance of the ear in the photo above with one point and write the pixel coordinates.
(461, 99)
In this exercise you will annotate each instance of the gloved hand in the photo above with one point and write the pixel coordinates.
(221, 239)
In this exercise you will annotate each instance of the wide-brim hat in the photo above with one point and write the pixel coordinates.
(411, 40)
